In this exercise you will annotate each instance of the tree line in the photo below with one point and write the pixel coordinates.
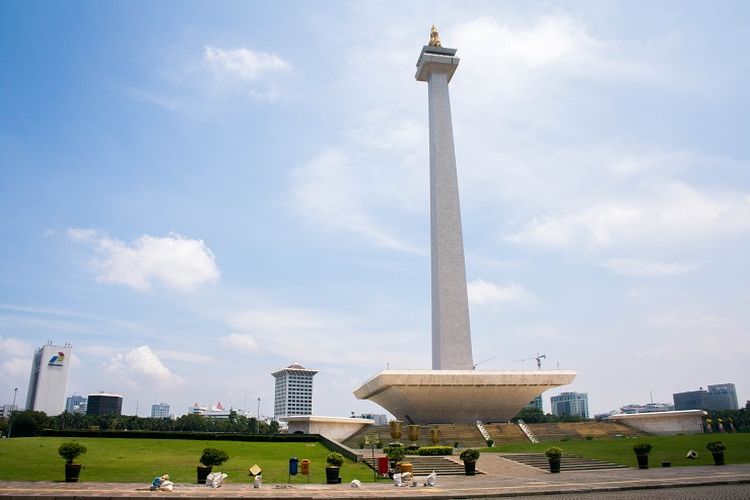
(32, 423)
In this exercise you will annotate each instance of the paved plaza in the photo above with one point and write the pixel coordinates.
(500, 478)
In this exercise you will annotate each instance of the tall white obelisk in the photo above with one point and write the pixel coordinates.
(452, 392)
(451, 335)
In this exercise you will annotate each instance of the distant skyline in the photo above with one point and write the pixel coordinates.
(195, 197)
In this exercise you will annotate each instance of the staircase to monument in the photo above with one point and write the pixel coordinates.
(580, 430)
(468, 435)
(567, 463)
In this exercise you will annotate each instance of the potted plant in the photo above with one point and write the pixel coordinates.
(717, 450)
(70, 450)
(470, 457)
(334, 461)
(641, 454)
(395, 453)
(490, 443)
(209, 458)
(553, 456)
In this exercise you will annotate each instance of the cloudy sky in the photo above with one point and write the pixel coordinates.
(196, 194)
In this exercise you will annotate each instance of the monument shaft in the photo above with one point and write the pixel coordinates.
(451, 334)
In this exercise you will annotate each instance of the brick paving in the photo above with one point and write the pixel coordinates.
(501, 478)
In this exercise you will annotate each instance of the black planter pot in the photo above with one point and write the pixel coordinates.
(642, 461)
(718, 457)
(203, 473)
(554, 465)
(470, 468)
(72, 471)
(332, 475)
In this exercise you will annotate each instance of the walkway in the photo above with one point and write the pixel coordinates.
(502, 478)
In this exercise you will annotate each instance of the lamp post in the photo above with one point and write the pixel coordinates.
(258, 413)
(12, 410)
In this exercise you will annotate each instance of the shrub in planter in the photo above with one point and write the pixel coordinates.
(334, 461)
(435, 450)
(641, 454)
(70, 450)
(553, 456)
(209, 458)
(470, 457)
(490, 443)
(717, 451)
(395, 452)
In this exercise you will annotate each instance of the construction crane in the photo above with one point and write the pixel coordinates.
(483, 361)
(538, 358)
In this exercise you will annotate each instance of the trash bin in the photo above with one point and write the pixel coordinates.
(293, 462)
(382, 466)
(305, 466)
(406, 467)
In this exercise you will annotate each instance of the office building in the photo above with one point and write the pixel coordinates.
(75, 404)
(571, 403)
(536, 403)
(104, 404)
(717, 397)
(294, 389)
(160, 410)
(48, 379)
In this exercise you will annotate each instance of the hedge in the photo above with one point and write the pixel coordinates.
(435, 450)
(207, 436)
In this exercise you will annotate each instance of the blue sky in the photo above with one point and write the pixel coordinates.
(196, 194)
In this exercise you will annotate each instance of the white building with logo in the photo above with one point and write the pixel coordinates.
(49, 377)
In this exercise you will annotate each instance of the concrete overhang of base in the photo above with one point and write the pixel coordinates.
(664, 423)
(336, 428)
(458, 396)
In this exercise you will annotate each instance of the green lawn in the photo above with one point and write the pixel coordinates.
(665, 448)
(140, 460)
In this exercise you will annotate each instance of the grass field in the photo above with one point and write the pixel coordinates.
(140, 460)
(665, 448)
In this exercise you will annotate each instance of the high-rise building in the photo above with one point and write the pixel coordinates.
(536, 403)
(723, 397)
(75, 404)
(104, 404)
(160, 410)
(6, 410)
(294, 389)
(717, 397)
(48, 379)
(571, 403)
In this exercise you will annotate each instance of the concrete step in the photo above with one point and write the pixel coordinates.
(568, 462)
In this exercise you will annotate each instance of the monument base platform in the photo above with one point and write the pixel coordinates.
(458, 396)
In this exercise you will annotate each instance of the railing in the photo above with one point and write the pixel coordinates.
(527, 431)
(483, 431)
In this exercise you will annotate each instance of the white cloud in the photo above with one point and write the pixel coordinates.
(239, 341)
(243, 63)
(302, 334)
(485, 293)
(676, 213)
(336, 191)
(643, 268)
(174, 261)
(138, 365)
